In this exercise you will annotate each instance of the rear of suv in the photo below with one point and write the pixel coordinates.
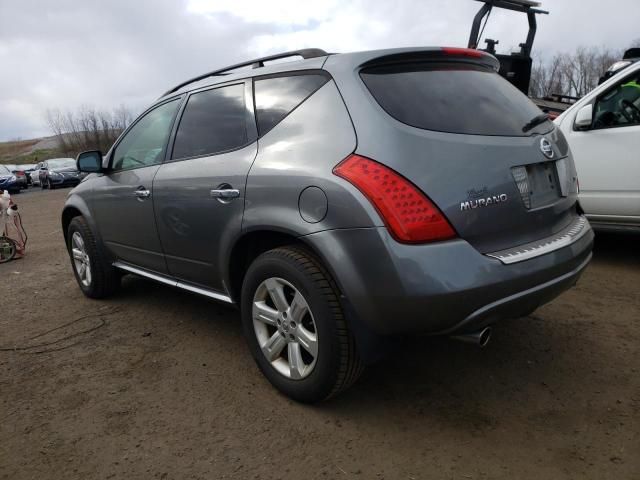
(338, 200)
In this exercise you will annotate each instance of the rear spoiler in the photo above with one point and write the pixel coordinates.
(468, 55)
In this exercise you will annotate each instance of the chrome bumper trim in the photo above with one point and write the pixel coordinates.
(173, 283)
(574, 232)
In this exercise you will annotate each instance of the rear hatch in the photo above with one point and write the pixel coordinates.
(473, 143)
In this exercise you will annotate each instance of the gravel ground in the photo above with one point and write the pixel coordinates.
(158, 383)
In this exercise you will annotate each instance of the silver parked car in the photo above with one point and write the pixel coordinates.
(338, 200)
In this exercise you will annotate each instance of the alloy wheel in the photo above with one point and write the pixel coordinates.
(285, 328)
(80, 259)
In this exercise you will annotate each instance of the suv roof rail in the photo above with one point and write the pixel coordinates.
(305, 53)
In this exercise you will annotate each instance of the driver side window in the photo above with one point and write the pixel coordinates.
(620, 106)
(145, 143)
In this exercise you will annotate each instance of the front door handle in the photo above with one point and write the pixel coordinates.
(225, 193)
(142, 193)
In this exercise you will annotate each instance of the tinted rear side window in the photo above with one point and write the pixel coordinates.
(450, 97)
(213, 121)
(276, 97)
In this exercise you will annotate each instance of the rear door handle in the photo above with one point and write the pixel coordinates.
(142, 193)
(225, 193)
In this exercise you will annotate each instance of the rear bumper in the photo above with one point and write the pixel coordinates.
(441, 288)
(520, 303)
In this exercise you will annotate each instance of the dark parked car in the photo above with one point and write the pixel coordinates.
(9, 181)
(20, 174)
(338, 200)
(59, 172)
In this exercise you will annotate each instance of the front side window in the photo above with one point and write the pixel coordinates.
(145, 143)
(276, 97)
(213, 121)
(620, 106)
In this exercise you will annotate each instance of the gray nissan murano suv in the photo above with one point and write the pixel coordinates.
(338, 200)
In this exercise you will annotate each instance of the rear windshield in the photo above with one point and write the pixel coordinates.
(450, 97)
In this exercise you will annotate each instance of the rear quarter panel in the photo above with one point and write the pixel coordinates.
(300, 152)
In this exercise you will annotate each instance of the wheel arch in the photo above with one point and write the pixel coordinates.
(252, 244)
(75, 207)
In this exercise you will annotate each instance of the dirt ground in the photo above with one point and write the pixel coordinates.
(157, 383)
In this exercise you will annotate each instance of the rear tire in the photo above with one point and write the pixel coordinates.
(294, 271)
(102, 279)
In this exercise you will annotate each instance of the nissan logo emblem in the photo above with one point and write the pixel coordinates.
(546, 148)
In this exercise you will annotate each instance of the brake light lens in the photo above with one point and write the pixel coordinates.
(463, 52)
(407, 212)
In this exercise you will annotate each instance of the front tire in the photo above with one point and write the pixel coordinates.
(295, 327)
(95, 275)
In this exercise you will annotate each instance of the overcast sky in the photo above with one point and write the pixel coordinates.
(64, 53)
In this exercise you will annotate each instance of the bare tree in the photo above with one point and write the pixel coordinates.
(545, 77)
(87, 128)
(572, 74)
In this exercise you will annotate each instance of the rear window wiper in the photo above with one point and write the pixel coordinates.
(537, 120)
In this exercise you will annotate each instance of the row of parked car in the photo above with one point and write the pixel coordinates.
(52, 173)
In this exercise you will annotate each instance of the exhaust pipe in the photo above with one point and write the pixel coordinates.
(479, 338)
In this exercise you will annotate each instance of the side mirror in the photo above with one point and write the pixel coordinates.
(90, 162)
(584, 118)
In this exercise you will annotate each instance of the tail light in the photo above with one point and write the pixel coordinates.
(407, 212)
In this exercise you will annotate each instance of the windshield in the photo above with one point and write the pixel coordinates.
(4, 170)
(452, 97)
(62, 163)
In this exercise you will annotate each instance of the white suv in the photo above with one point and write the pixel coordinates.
(603, 131)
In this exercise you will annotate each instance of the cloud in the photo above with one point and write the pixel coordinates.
(66, 53)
